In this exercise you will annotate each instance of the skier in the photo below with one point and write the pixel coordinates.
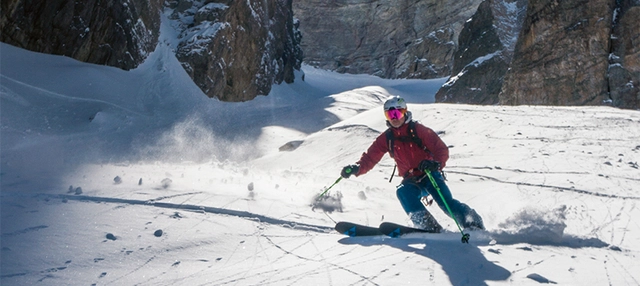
(415, 149)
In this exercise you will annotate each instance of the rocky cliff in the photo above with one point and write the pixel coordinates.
(387, 38)
(573, 52)
(486, 45)
(233, 50)
(581, 52)
(114, 33)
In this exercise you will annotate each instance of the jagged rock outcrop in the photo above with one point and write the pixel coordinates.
(562, 55)
(236, 50)
(486, 46)
(114, 33)
(580, 52)
(233, 50)
(387, 38)
(568, 51)
(574, 52)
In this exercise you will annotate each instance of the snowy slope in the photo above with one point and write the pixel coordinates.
(111, 177)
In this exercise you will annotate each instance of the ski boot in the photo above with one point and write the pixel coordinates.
(473, 221)
(425, 220)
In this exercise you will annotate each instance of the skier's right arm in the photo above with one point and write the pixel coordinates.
(373, 155)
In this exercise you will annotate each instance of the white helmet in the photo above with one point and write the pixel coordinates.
(395, 102)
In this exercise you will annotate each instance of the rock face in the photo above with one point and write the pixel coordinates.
(236, 50)
(624, 62)
(233, 50)
(387, 38)
(486, 45)
(551, 52)
(114, 33)
(580, 52)
(562, 55)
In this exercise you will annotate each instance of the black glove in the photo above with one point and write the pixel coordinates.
(428, 165)
(347, 171)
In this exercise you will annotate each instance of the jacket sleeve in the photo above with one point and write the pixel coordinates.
(373, 155)
(436, 146)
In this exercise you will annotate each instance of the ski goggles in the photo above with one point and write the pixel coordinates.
(394, 113)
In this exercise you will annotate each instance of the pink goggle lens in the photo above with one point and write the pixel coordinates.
(395, 113)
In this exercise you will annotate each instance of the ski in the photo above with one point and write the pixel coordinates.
(385, 228)
(354, 229)
(396, 230)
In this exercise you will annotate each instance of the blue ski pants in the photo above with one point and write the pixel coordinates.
(412, 190)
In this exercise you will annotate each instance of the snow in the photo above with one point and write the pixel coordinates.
(213, 6)
(475, 63)
(480, 60)
(112, 177)
(452, 80)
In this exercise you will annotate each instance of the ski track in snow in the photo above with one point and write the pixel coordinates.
(502, 237)
(66, 97)
(197, 208)
(286, 249)
(289, 250)
(553, 188)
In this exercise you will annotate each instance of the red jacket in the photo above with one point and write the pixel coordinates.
(407, 155)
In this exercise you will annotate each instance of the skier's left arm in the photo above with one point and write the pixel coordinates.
(436, 146)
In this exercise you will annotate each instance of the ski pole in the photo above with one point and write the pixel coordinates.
(325, 191)
(465, 237)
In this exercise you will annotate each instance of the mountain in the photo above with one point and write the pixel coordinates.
(508, 52)
(566, 53)
(136, 178)
(487, 44)
(389, 39)
(233, 50)
(113, 33)
(236, 50)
